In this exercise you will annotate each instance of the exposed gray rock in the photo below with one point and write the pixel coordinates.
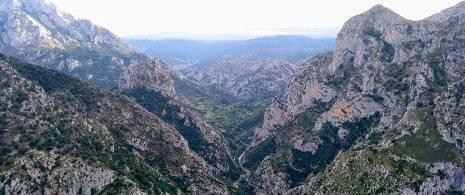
(383, 65)
(247, 79)
(150, 75)
(37, 32)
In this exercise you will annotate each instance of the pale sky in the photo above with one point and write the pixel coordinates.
(235, 19)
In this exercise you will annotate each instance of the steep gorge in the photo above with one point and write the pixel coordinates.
(381, 113)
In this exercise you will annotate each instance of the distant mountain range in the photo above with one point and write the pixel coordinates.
(201, 55)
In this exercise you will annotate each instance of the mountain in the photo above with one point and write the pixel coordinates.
(293, 49)
(247, 80)
(61, 135)
(38, 32)
(152, 87)
(177, 52)
(381, 113)
(194, 55)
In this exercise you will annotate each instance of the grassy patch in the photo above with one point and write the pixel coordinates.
(370, 172)
(426, 144)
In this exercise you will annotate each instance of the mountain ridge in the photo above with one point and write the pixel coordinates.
(247, 80)
(152, 87)
(38, 32)
(383, 86)
(72, 137)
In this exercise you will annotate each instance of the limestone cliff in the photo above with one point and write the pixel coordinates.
(389, 86)
(151, 76)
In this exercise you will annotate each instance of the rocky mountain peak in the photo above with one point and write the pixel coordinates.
(376, 16)
(401, 78)
(376, 27)
(151, 75)
(37, 23)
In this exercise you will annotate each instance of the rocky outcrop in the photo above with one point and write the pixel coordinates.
(151, 76)
(247, 79)
(38, 32)
(383, 70)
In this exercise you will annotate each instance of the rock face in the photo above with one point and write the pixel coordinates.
(247, 79)
(151, 76)
(38, 32)
(151, 86)
(60, 135)
(389, 86)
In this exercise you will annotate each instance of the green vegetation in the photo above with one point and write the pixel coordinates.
(342, 75)
(409, 29)
(145, 178)
(372, 32)
(387, 52)
(96, 60)
(305, 121)
(234, 118)
(397, 81)
(459, 94)
(242, 188)
(436, 62)
(400, 167)
(426, 144)
(156, 103)
(331, 146)
(61, 127)
(365, 171)
(376, 98)
(255, 157)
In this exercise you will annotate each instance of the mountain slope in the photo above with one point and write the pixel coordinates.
(38, 32)
(62, 135)
(152, 87)
(247, 80)
(379, 114)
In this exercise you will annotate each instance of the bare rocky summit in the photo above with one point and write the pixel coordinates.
(151, 75)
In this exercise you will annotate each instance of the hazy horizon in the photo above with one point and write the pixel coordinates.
(327, 33)
(234, 20)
